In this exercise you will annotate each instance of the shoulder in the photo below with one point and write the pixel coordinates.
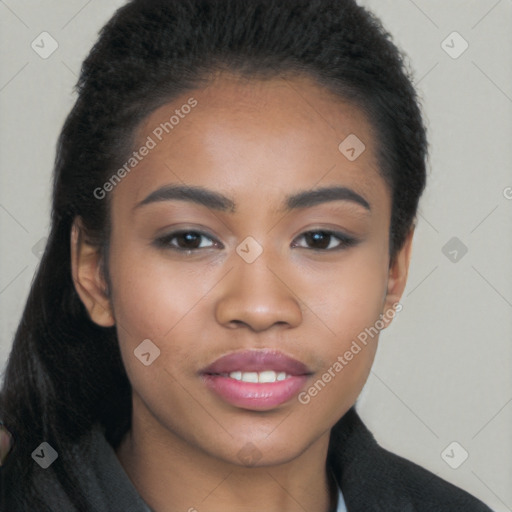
(425, 490)
(374, 479)
(85, 475)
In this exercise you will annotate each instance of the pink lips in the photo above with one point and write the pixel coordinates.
(255, 396)
(257, 361)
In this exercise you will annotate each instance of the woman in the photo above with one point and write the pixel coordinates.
(233, 211)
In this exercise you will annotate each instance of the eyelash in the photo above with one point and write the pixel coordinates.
(344, 241)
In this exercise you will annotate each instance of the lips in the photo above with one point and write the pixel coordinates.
(257, 380)
(257, 361)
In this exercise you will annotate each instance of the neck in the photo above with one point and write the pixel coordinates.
(171, 475)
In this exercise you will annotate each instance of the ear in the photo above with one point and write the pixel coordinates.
(397, 278)
(87, 276)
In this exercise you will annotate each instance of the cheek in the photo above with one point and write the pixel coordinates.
(154, 301)
(349, 296)
(348, 302)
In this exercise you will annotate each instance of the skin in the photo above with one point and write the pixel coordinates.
(255, 142)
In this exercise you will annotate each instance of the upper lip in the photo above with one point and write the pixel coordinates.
(257, 361)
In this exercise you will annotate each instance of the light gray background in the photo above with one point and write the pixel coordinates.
(443, 369)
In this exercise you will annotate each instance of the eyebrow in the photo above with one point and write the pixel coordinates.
(220, 202)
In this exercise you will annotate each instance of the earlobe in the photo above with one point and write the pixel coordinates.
(87, 277)
(397, 277)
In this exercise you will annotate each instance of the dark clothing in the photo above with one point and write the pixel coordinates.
(374, 479)
(371, 478)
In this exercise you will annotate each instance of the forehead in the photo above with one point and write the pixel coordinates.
(256, 139)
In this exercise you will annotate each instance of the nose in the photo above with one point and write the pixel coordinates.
(258, 295)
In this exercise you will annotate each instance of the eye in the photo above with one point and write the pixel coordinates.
(185, 240)
(326, 240)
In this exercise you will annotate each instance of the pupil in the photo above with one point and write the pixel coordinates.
(318, 236)
(190, 237)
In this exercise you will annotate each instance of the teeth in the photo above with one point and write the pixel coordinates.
(259, 377)
(249, 377)
(267, 376)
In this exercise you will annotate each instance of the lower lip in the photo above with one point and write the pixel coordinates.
(257, 397)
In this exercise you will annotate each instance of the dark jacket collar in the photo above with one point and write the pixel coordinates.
(374, 479)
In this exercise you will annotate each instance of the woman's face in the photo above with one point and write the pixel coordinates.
(276, 257)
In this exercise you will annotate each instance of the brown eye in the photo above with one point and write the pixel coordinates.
(188, 240)
(184, 241)
(327, 240)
